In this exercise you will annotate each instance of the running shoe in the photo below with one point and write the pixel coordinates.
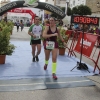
(33, 59)
(45, 67)
(37, 59)
(54, 76)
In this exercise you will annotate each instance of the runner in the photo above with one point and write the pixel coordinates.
(35, 31)
(50, 34)
(17, 25)
(21, 25)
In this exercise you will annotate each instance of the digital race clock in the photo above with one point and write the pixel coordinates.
(85, 20)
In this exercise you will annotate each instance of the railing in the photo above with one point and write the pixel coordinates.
(91, 43)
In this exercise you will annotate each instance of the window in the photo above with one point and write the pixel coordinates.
(74, 2)
(70, 5)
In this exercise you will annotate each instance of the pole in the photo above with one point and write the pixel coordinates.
(42, 16)
(82, 45)
(66, 7)
(80, 64)
(54, 2)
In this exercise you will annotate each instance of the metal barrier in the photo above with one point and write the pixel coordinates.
(75, 37)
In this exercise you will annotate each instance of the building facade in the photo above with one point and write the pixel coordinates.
(94, 8)
(90, 3)
(4, 2)
(61, 3)
(50, 1)
(93, 5)
(74, 3)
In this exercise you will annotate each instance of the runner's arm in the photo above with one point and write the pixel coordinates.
(30, 31)
(61, 38)
(45, 35)
(60, 35)
(41, 32)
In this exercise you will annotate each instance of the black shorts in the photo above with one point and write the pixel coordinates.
(35, 42)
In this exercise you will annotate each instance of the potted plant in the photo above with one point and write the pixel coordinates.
(5, 47)
(62, 48)
(9, 24)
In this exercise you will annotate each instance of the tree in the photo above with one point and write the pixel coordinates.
(84, 10)
(81, 10)
(63, 9)
(69, 12)
(75, 10)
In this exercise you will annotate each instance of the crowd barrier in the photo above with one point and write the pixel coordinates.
(89, 49)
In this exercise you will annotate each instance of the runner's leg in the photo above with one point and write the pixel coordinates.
(38, 51)
(54, 62)
(33, 51)
(47, 55)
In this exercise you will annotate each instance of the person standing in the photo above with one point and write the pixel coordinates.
(17, 24)
(50, 34)
(21, 25)
(35, 31)
(28, 23)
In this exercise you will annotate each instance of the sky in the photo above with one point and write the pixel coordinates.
(39, 0)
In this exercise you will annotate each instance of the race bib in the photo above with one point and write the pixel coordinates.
(37, 37)
(50, 45)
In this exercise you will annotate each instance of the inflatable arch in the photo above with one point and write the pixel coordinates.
(16, 10)
(34, 4)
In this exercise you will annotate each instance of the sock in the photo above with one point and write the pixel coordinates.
(54, 65)
(46, 62)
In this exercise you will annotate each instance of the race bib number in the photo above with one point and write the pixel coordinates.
(50, 45)
(37, 37)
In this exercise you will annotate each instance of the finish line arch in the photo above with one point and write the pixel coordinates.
(34, 4)
(16, 10)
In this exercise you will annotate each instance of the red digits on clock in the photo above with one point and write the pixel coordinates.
(81, 19)
(95, 21)
(85, 20)
(92, 20)
(88, 20)
(76, 19)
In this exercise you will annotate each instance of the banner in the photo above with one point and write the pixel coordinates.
(69, 32)
(88, 44)
(21, 10)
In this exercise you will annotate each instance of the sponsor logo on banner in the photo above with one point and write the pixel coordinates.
(18, 10)
(58, 11)
(31, 3)
(8, 6)
(88, 44)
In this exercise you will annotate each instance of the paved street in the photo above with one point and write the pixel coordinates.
(20, 35)
(77, 93)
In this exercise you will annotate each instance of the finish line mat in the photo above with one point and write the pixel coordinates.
(44, 83)
(20, 65)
